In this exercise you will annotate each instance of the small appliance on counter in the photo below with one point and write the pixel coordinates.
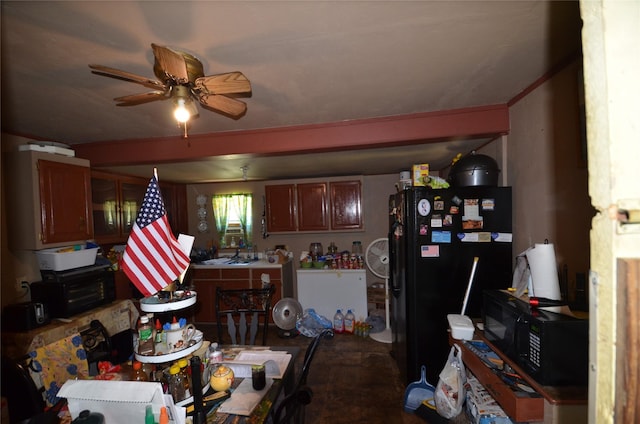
(24, 316)
(73, 291)
(552, 348)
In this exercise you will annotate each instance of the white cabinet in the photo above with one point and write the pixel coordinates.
(328, 290)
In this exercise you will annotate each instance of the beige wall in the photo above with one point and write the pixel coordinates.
(548, 174)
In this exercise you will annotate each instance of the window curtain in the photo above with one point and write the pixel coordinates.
(221, 213)
(243, 204)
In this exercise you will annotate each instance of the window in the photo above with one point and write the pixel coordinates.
(233, 217)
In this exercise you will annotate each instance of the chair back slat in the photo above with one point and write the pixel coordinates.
(238, 306)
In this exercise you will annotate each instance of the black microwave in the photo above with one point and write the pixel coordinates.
(71, 292)
(552, 348)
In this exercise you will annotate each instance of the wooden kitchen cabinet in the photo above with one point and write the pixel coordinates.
(115, 204)
(314, 206)
(48, 200)
(346, 205)
(117, 199)
(281, 207)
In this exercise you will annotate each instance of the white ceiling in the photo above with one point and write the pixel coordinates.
(309, 63)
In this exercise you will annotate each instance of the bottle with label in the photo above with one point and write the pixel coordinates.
(145, 337)
(158, 339)
(186, 377)
(176, 384)
(349, 322)
(138, 373)
(338, 322)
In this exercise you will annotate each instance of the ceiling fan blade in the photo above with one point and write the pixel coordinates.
(172, 63)
(228, 83)
(126, 76)
(223, 104)
(138, 99)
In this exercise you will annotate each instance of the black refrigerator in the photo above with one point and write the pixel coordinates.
(434, 236)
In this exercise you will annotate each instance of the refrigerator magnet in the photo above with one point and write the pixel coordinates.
(468, 237)
(441, 237)
(424, 207)
(424, 228)
(472, 222)
(448, 220)
(436, 221)
(484, 237)
(438, 205)
(430, 251)
(502, 237)
(488, 204)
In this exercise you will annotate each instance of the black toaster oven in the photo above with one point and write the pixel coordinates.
(71, 292)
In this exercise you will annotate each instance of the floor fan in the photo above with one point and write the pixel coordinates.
(377, 260)
(285, 314)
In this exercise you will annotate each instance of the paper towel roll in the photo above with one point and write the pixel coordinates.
(544, 272)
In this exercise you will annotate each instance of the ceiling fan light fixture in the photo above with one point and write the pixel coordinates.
(181, 113)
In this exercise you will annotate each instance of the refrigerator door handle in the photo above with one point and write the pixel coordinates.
(393, 287)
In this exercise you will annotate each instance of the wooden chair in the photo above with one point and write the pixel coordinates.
(243, 304)
(291, 409)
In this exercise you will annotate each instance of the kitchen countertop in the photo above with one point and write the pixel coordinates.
(262, 263)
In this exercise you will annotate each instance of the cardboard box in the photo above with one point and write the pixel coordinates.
(418, 174)
(61, 258)
(119, 401)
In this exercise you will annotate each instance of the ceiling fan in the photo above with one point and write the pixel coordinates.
(181, 78)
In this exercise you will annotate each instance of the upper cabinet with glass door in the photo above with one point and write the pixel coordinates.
(116, 200)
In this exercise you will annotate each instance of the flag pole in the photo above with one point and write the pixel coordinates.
(155, 173)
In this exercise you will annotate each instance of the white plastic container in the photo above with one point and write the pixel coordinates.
(57, 259)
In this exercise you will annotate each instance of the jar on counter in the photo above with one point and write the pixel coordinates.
(177, 384)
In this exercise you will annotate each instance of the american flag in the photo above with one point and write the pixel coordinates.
(153, 258)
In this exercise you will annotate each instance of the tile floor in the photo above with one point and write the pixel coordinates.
(354, 380)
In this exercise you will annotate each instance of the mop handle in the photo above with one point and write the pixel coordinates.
(466, 295)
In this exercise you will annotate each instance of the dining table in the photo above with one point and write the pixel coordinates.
(260, 413)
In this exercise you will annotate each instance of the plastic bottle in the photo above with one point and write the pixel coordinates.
(349, 322)
(186, 377)
(145, 337)
(164, 416)
(176, 385)
(138, 373)
(338, 322)
(148, 415)
(159, 334)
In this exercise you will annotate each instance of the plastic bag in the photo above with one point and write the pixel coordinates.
(311, 324)
(450, 391)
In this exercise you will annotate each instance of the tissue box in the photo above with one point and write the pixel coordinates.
(61, 258)
(118, 401)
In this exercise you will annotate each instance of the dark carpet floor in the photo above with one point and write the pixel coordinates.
(354, 380)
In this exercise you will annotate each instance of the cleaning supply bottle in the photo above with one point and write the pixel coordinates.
(338, 322)
(349, 322)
